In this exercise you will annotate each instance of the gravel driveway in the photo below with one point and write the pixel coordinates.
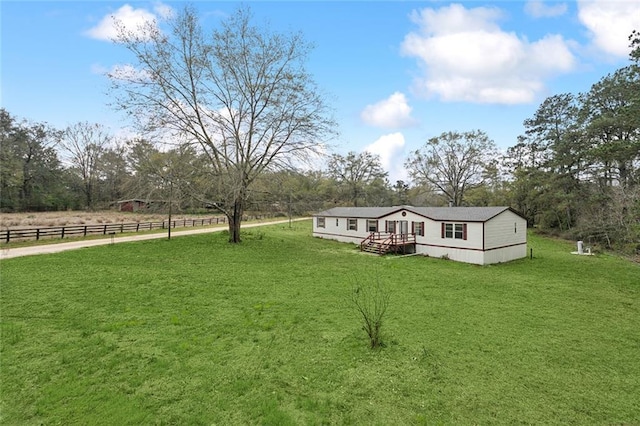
(7, 253)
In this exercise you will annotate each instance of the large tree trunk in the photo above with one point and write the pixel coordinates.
(235, 220)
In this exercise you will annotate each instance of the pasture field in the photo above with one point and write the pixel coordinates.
(198, 331)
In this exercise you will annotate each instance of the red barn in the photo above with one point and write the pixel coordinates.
(132, 205)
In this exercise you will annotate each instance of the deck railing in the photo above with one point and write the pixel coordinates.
(388, 239)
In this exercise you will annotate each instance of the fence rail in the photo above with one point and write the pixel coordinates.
(8, 235)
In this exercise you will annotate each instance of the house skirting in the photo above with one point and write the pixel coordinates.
(338, 237)
(476, 256)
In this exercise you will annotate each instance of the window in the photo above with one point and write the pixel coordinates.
(320, 223)
(352, 224)
(372, 225)
(448, 230)
(457, 231)
(390, 226)
(418, 228)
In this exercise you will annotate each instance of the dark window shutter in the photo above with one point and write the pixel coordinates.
(422, 230)
(413, 227)
(442, 230)
(464, 231)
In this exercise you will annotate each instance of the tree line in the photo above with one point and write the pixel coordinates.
(230, 116)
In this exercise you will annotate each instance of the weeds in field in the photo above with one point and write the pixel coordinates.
(371, 301)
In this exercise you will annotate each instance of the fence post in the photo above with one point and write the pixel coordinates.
(137, 226)
(38, 234)
(62, 233)
(8, 235)
(104, 231)
(85, 230)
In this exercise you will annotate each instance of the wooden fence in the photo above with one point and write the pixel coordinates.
(7, 235)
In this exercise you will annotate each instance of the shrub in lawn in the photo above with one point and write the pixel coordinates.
(371, 302)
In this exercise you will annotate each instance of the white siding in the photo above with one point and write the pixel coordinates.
(433, 245)
(397, 217)
(433, 236)
(506, 229)
(337, 229)
(340, 232)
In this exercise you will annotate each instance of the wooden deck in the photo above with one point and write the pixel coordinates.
(383, 242)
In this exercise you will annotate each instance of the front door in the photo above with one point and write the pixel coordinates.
(404, 227)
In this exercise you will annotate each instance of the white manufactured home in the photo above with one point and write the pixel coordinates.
(480, 235)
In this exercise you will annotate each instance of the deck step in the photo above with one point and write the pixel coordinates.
(376, 248)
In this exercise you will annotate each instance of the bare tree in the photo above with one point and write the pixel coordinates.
(240, 93)
(113, 173)
(453, 163)
(82, 146)
(356, 173)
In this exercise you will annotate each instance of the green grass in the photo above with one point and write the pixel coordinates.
(198, 331)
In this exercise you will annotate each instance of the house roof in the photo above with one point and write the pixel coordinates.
(131, 201)
(461, 214)
(359, 212)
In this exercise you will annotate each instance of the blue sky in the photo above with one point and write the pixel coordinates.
(395, 73)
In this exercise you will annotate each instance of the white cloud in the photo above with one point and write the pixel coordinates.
(390, 148)
(610, 23)
(540, 9)
(128, 72)
(393, 112)
(98, 69)
(467, 57)
(163, 10)
(132, 19)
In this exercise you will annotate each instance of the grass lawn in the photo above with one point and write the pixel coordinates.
(198, 331)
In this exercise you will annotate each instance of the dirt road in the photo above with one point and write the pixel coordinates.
(7, 253)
